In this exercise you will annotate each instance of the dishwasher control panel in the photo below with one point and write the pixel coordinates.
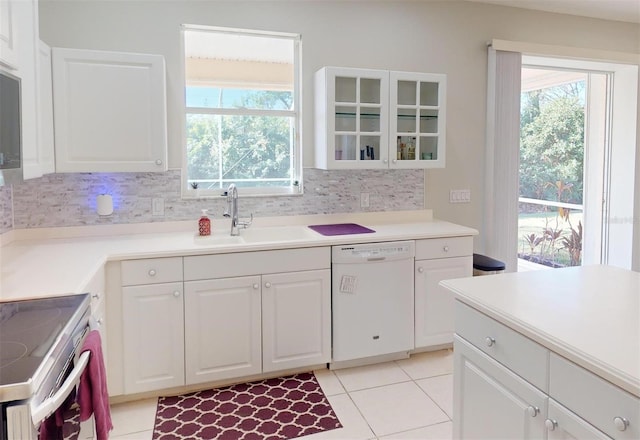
(358, 253)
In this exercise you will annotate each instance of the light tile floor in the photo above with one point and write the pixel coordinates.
(405, 399)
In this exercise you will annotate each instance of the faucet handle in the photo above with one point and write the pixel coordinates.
(245, 224)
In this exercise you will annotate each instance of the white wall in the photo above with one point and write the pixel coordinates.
(428, 36)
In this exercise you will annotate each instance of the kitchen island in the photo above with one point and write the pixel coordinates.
(555, 351)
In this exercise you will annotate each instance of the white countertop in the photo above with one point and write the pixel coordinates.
(589, 314)
(57, 261)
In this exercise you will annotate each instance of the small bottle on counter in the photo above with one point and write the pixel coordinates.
(204, 224)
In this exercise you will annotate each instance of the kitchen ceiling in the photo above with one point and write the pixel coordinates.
(619, 10)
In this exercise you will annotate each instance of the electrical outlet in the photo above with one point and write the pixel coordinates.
(364, 200)
(157, 207)
(460, 196)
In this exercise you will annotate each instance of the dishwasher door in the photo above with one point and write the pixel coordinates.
(372, 299)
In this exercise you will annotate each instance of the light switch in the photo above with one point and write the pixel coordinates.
(460, 196)
(157, 207)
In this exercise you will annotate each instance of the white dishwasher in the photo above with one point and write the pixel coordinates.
(372, 301)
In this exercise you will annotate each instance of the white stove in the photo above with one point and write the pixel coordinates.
(38, 344)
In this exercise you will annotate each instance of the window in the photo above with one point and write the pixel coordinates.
(242, 111)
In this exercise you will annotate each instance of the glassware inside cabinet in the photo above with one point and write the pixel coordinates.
(428, 148)
(345, 147)
(369, 147)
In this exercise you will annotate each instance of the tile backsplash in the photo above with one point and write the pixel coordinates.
(69, 199)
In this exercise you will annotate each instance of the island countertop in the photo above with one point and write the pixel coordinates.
(589, 315)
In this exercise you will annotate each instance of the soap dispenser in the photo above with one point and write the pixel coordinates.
(204, 224)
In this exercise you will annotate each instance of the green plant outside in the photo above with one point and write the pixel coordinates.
(535, 223)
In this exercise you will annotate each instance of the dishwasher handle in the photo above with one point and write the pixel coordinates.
(376, 258)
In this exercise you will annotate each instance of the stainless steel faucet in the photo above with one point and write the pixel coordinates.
(232, 211)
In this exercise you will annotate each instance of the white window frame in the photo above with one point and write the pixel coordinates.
(296, 113)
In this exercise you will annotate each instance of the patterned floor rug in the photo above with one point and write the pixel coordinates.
(281, 408)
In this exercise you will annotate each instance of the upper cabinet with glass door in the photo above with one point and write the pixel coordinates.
(417, 120)
(352, 114)
(378, 119)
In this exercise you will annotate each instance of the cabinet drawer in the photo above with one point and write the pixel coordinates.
(444, 247)
(203, 267)
(518, 353)
(593, 398)
(151, 271)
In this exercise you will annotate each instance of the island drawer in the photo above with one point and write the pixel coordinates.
(444, 247)
(594, 399)
(151, 271)
(520, 354)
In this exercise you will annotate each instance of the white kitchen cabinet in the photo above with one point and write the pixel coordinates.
(352, 117)
(222, 329)
(436, 260)
(562, 424)
(492, 402)
(110, 111)
(377, 119)
(153, 342)
(8, 29)
(296, 319)
(417, 120)
(46, 157)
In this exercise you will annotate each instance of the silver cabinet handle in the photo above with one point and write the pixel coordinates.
(533, 411)
(421, 269)
(550, 424)
(394, 160)
(489, 341)
(152, 272)
(158, 162)
(621, 423)
(176, 293)
(95, 296)
(445, 248)
(256, 286)
(267, 285)
(99, 321)
(385, 161)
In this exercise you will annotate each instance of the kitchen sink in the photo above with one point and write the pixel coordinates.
(276, 234)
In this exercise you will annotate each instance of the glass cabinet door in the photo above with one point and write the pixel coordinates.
(360, 116)
(417, 120)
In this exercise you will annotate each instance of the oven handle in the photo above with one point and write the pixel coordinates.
(49, 405)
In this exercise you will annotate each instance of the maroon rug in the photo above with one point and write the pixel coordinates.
(281, 408)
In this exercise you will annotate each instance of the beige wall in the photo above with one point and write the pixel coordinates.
(426, 36)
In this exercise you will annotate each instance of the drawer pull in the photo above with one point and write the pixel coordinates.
(255, 286)
(533, 411)
(489, 341)
(551, 424)
(176, 293)
(445, 248)
(421, 269)
(621, 423)
(152, 272)
(267, 285)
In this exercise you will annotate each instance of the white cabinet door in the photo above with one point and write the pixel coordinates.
(352, 118)
(491, 402)
(45, 109)
(562, 424)
(110, 111)
(433, 303)
(222, 329)
(296, 318)
(8, 29)
(417, 111)
(153, 337)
